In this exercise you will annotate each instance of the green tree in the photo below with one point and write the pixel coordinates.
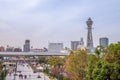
(114, 48)
(42, 59)
(113, 53)
(92, 61)
(99, 50)
(102, 71)
(3, 74)
(1, 66)
(56, 61)
(106, 67)
(116, 71)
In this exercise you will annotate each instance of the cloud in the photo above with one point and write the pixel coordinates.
(56, 20)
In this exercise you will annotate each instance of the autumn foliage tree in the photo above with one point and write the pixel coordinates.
(56, 61)
(76, 64)
(113, 53)
(56, 64)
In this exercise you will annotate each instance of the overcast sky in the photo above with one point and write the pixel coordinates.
(44, 21)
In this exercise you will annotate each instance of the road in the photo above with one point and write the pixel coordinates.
(25, 72)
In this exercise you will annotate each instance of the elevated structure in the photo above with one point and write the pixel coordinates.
(34, 53)
(89, 23)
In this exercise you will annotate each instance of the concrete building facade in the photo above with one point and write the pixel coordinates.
(55, 47)
(74, 45)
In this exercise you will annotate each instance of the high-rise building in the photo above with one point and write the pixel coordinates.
(104, 41)
(55, 47)
(26, 46)
(74, 45)
(89, 23)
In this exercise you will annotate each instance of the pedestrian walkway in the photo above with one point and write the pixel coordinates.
(25, 72)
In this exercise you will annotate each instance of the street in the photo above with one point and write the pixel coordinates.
(25, 72)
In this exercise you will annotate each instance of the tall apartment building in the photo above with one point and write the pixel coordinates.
(104, 41)
(26, 47)
(55, 47)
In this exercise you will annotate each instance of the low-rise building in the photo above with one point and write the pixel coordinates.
(2, 49)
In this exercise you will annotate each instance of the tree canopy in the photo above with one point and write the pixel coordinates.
(106, 67)
(76, 64)
(56, 61)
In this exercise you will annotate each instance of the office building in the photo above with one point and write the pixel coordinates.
(26, 47)
(74, 45)
(104, 41)
(55, 47)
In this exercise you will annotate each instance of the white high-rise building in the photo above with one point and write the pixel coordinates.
(55, 47)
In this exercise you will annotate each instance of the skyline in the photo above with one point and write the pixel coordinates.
(44, 21)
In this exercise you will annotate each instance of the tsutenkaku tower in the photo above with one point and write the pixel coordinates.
(89, 23)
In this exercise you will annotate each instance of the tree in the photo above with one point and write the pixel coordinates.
(3, 74)
(99, 50)
(42, 59)
(76, 64)
(1, 67)
(113, 53)
(56, 61)
(114, 48)
(106, 67)
(102, 71)
(92, 61)
(116, 71)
